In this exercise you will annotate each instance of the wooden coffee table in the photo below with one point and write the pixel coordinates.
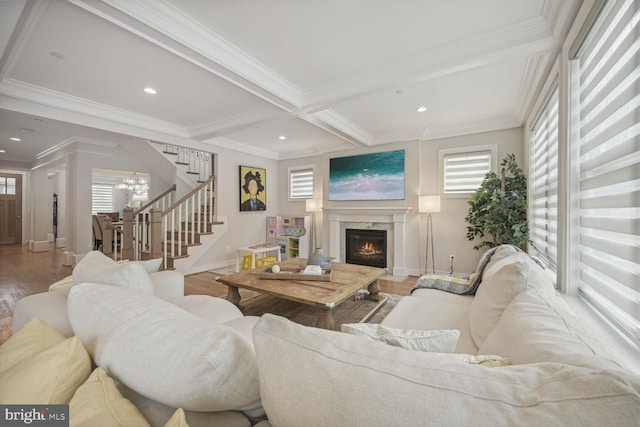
(346, 281)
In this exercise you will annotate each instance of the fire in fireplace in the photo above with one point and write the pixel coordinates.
(366, 247)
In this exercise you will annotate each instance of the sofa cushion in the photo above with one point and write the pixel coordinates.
(443, 341)
(309, 377)
(537, 328)
(50, 307)
(433, 309)
(98, 403)
(96, 267)
(50, 376)
(164, 352)
(509, 272)
(30, 339)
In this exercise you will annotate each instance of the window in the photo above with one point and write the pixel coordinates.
(462, 171)
(7, 185)
(301, 183)
(101, 198)
(543, 182)
(608, 134)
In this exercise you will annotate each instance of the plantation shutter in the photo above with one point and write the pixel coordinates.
(609, 136)
(301, 183)
(544, 183)
(101, 198)
(464, 172)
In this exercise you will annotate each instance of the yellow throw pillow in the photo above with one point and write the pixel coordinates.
(177, 419)
(98, 402)
(48, 377)
(31, 339)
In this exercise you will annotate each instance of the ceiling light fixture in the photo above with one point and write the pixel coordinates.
(15, 139)
(282, 137)
(150, 90)
(134, 185)
(421, 109)
(2, 151)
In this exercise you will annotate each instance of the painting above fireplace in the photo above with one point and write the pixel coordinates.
(366, 247)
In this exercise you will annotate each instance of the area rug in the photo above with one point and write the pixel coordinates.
(350, 311)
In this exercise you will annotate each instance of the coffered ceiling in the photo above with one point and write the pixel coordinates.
(327, 75)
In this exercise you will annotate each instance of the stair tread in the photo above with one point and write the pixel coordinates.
(181, 163)
(169, 152)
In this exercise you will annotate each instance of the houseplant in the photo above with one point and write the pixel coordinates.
(498, 209)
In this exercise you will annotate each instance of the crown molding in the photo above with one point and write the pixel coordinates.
(256, 117)
(340, 126)
(532, 77)
(470, 128)
(166, 26)
(27, 21)
(519, 40)
(233, 145)
(102, 116)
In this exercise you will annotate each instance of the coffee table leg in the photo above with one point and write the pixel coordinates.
(233, 295)
(374, 289)
(325, 319)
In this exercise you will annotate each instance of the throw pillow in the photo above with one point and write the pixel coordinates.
(98, 403)
(48, 377)
(96, 267)
(31, 339)
(443, 341)
(150, 265)
(163, 352)
(508, 273)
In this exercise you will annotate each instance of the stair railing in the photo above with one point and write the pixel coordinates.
(136, 224)
(179, 223)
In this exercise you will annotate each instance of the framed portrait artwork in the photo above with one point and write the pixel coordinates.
(253, 189)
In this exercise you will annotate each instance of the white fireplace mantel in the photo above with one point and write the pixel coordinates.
(380, 215)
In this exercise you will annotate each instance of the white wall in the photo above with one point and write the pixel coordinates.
(244, 228)
(449, 226)
(421, 178)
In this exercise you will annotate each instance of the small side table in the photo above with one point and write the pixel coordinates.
(255, 250)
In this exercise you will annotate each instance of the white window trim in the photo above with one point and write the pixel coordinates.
(297, 168)
(493, 148)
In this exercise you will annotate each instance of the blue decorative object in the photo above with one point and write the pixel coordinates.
(320, 258)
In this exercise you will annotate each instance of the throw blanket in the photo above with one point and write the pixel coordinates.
(458, 285)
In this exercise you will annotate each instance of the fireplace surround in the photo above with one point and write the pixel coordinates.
(392, 219)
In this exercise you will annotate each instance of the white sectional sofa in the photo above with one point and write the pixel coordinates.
(199, 354)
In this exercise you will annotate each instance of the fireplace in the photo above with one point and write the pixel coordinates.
(366, 247)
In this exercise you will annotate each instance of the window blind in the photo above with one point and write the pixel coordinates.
(101, 198)
(543, 179)
(609, 136)
(301, 183)
(464, 172)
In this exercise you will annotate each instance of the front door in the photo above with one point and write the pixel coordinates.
(10, 209)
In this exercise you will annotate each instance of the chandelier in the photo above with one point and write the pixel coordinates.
(134, 185)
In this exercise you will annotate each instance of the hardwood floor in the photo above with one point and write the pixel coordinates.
(23, 273)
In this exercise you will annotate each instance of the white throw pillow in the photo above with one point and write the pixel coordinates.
(163, 352)
(313, 377)
(443, 341)
(508, 273)
(96, 267)
(150, 265)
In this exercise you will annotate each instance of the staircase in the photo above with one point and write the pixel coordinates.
(197, 165)
(170, 230)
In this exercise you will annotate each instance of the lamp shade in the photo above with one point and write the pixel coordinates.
(429, 204)
(314, 205)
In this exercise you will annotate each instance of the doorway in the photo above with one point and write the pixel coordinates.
(10, 209)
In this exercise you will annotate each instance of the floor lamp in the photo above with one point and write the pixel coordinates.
(429, 205)
(313, 206)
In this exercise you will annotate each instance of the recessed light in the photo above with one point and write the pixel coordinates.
(282, 137)
(150, 90)
(26, 130)
(15, 139)
(421, 109)
(2, 151)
